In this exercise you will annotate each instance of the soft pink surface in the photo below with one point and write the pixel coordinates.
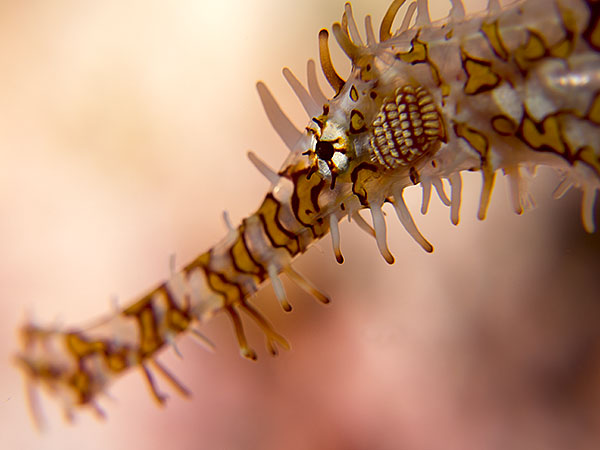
(123, 132)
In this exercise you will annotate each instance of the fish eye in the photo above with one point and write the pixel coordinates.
(325, 150)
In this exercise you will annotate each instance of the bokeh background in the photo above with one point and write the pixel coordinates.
(124, 126)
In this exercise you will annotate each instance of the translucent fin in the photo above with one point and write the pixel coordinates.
(160, 398)
(171, 341)
(362, 223)
(278, 288)
(455, 197)
(342, 38)
(179, 387)
(308, 103)
(521, 198)
(286, 130)
(354, 34)
(439, 187)
(245, 350)
(457, 12)
(563, 187)
(371, 40)
(408, 222)
(305, 284)
(313, 83)
(426, 186)
(381, 233)
(336, 82)
(33, 402)
(204, 341)
(386, 24)
(263, 168)
(486, 192)
(271, 335)
(335, 238)
(587, 208)
(226, 220)
(423, 18)
(410, 12)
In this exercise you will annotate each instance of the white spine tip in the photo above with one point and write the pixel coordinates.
(381, 233)
(486, 193)
(426, 186)
(407, 221)
(306, 285)
(335, 238)
(263, 168)
(587, 209)
(455, 197)
(278, 288)
(204, 341)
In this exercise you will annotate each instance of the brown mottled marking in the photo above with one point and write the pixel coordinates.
(503, 125)
(531, 51)
(82, 348)
(480, 76)
(143, 312)
(279, 237)
(592, 31)
(590, 157)
(475, 138)
(593, 114)
(230, 290)
(544, 136)
(115, 358)
(357, 122)
(117, 361)
(242, 259)
(564, 47)
(305, 201)
(359, 175)
(491, 33)
(480, 143)
(419, 54)
(81, 383)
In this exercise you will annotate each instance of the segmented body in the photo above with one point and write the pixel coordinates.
(509, 90)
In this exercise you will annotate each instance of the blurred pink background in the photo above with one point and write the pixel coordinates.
(123, 131)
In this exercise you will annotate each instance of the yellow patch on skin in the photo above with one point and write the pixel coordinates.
(476, 139)
(594, 112)
(177, 321)
(150, 340)
(228, 290)
(481, 77)
(492, 34)
(305, 203)
(545, 135)
(353, 94)
(590, 157)
(593, 33)
(80, 382)
(357, 122)
(534, 49)
(564, 47)
(279, 237)
(241, 258)
(504, 125)
(418, 54)
(82, 348)
(116, 362)
(360, 175)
